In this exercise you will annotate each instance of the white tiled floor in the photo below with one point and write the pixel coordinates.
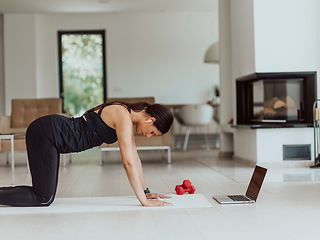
(287, 208)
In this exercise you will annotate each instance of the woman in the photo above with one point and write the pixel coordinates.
(51, 135)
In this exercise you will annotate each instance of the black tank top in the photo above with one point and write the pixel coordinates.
(78, 134)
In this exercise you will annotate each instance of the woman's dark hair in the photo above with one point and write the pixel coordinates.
(161, 113)
(163, 116)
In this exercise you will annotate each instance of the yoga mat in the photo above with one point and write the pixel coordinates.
(107, 204)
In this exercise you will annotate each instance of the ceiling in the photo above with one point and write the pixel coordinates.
(91, 6)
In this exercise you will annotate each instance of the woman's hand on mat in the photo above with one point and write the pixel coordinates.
(156, 196)
(156, 203)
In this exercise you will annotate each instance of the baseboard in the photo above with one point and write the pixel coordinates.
(225, 155)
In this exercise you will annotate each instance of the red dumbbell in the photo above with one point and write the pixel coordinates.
(185, 187)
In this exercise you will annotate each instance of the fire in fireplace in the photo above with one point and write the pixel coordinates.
(281, 99)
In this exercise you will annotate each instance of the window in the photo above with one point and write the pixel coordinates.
(82, 70)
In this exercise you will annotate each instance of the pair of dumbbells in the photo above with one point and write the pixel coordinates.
(186, 186)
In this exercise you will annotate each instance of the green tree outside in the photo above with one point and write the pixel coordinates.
(82, 64)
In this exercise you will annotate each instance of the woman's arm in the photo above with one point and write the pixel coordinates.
(138, 164)
(131, 163)
(142, 179)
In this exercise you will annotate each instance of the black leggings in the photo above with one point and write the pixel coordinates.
(43, 159)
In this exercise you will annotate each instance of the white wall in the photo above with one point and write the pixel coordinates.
(245, 146)
(237, 59)
(242, 41)
(148, 54)
(286, 35)
(226, 81)
(19, 57)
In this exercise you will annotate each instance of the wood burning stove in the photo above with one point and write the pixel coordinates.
(276, 99)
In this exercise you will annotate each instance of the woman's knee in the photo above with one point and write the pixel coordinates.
(46, 201)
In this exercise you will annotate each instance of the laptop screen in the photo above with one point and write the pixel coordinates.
(256, 182)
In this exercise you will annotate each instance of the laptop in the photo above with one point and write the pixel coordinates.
(252, 190)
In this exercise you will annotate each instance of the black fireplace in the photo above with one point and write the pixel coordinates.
(276, 99)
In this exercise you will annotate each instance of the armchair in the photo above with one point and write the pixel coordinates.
(23, 112)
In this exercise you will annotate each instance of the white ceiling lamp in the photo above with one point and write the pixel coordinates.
(212, 54)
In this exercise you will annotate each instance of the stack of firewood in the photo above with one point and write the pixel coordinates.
(278, 105)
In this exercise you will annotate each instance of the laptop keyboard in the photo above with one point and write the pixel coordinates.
(238, 198)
